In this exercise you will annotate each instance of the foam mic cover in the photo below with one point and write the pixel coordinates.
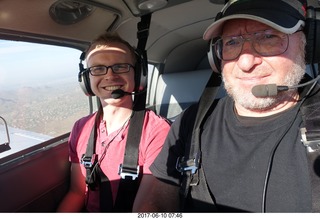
(116, 94)
(266, 90)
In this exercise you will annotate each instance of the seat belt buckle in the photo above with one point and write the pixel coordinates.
(183, 165)
(129, 173)
(88, 161)
(312, 145)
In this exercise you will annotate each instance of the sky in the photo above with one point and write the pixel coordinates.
(32, 62)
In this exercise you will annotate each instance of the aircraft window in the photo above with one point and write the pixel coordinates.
(40, 96)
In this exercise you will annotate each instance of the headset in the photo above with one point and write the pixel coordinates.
(311, 30)
(140, 74)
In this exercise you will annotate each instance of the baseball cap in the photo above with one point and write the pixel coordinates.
(286, 16)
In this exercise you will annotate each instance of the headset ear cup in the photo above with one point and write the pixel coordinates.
(141, 71)
(84, 78)
(84, 82)
(215, 63)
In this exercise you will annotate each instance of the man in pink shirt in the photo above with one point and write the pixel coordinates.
(111, 66)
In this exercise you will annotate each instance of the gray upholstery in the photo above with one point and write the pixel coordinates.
(177, 91)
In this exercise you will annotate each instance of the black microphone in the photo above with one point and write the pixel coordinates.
(269, 90)
(116, 94)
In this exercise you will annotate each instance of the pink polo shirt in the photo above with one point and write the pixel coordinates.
(154, 132)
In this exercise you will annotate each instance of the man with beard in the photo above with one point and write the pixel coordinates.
(251, 150)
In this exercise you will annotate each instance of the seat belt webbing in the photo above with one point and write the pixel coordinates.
(193, 152)
(129, 169)
(207, 100)
(106, 203)
(95, 178)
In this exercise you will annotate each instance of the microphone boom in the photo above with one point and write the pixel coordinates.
(269, 90)
(116, 94)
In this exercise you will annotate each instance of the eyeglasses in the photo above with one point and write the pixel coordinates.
(116, 69)
(265, 43)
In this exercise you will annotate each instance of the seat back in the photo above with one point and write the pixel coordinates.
(177, 91)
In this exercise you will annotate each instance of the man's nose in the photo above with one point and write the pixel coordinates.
(248, 57)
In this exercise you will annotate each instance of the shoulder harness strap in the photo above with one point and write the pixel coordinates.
(190, 163)
(129, 169)
(95, 178)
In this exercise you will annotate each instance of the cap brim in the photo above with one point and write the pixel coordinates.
(286, 21)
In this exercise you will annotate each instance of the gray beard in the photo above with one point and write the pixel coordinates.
(249, 101)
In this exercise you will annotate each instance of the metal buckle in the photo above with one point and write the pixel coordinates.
(312, 145)
(192, 165)
(88, 161)
(123, 175)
